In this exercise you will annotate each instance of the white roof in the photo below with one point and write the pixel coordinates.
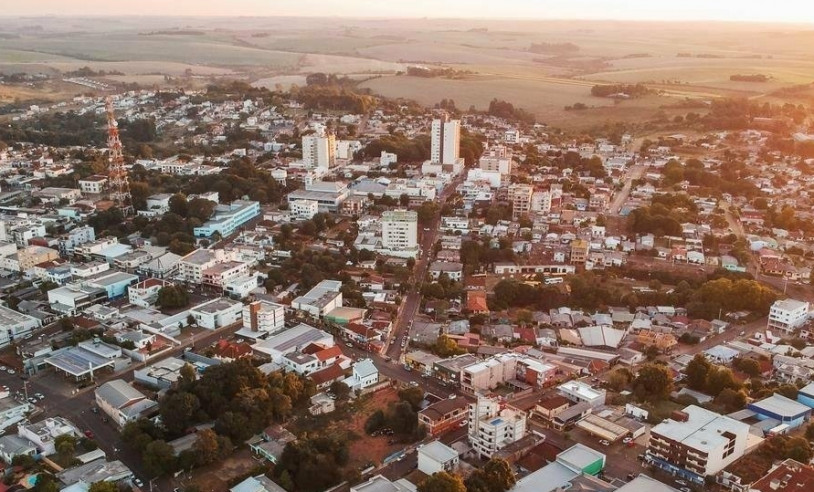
(643, 483)
(789, 304)
(601, 336)
(579, 388)
(438, 451)
(780, 405)
(365, 368)
(546, 479)
(702, 431)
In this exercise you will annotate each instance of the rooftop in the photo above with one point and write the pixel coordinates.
(702, 430)
(438, 451)
(778, 404)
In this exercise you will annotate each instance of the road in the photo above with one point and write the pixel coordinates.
(635, 172)
(77, 407)
(410, 304)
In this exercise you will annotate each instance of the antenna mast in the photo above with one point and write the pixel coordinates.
(116, 172)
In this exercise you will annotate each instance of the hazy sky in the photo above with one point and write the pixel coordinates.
(734, 10)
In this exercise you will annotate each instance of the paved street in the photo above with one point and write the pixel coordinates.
(635, 172)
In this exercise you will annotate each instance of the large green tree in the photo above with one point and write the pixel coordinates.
(653, 383)
(697, 371)
(442, 482)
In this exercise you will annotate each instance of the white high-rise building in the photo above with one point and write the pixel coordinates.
(788, 315)
(446, 141)
(319, 151)
(492, 428)
(400, 230)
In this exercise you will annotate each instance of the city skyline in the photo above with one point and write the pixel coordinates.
(790, 11)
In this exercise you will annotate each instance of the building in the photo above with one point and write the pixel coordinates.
(788, 476)
(784, 411)
(260, 483)
(696, 443)
(576, 463)
(578, 391)
(227, 219)
(13, 411)
(443, 415)
(320, 300)
(643, 483)
(400, 230)
(520, 197)
(164, 373)
(217, 313)
(364, 375)
(579, 250)
(496, 158)
(319, 151)
(220, 274)
(15, 326)
(83, 476)
(292, 340)
(192, 265)
(262, 318)
(44, 433)
(380, 483)
(75, 237)
(788, 315)
(122, 402)
(445, 141)
(270, 443)
(12, 446)
(145, 293)
(329, 195)
(32, 255)
(303, 209)
(487, 374)
(493, 426)
(436, 457)
(93, 185)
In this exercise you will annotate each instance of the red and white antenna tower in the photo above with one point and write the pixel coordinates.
(116, 172)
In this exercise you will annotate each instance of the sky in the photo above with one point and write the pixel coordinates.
(793, 11)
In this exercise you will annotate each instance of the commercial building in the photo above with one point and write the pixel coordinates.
(12, 411)
(292, 340)
(93, 184)
(788, 476)
(784, 411)
(496, 158)
(486, 375)
(192, 265)
(400, 230)
(32, 255)
(15, 326)
(75, 237)
(320, 300)
(493, 426)
(161, 375)
(303, 209)
(329, 195)
(217, 313)
(123, 403)
(228, 218)
(145, 293)
(319, 151)
(696, 443)
(578, 391)
(220, 274)
(262, 318)
(788, 315)
(575, 463)
(436, 457)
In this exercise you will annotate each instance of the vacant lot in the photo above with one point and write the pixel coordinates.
(368, 449)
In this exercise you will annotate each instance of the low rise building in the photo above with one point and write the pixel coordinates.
(227, 219)
(44, 433)
(217, 313)
(436, 457)
(578, 391)
(122, 402)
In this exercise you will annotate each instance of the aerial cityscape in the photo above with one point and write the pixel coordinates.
(406, 246)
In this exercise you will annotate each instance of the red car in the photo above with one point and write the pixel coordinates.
(89, 434)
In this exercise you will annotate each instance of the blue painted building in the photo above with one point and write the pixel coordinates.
(228, 218)
(806, 395)
(783, 410)
(115, 284)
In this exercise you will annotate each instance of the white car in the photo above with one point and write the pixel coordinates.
(12, 371)
(604, 442)
(627, 440)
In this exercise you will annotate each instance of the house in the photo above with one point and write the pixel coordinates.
(123, 403)
(12, 446)
(270, 443)
(364, 374)
(260, 483)
(43, 434)
(443, 415)
(453, 270)
(436, 457)
(578, 391)
(321, 404)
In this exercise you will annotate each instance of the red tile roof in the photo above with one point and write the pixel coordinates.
(327, 375)
(328, 353)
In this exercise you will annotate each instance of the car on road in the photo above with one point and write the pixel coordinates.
(94, 409)
(463, 423)
(604, 442)
(12, 371)
(685, 489)
(413, 384)
(682, 482)
(89, 434)
(3, 368)
(627, 440)
(348, 344)
(138, 482)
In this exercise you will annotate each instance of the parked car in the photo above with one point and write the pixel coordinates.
(89, 434)
(627, 440)
(463, 423)
(138, 482)
(682, 482)
(604, 442)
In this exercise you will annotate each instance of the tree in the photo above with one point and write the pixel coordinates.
(178, 411)
(730, 400)
(65, 446)
(103, 486)
(719, 379)
(654, 383)
(788, 390)
(158, 458)
(413, 395)
(619, 378)
(200, 208)
(178, 205)
(697, 371)
(340, 390)
(446, 347)
(495, 476)
(207, 447)
(172, 297)
(750, 367)
(442, 482)
(45, 482)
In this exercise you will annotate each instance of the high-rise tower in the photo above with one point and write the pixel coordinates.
(116, 172)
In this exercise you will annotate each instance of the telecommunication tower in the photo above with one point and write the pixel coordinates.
(116, 172)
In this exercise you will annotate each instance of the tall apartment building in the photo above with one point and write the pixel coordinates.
(261, 318)
(487, 374)
(520, 197)
(493, 426)
(541, 202)
(192, 266)
(75, 237)
(319, 151)
(446, 141)
(788, 315)
(399, 229)
(579, 250)
(696, 443)
(497, 159)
